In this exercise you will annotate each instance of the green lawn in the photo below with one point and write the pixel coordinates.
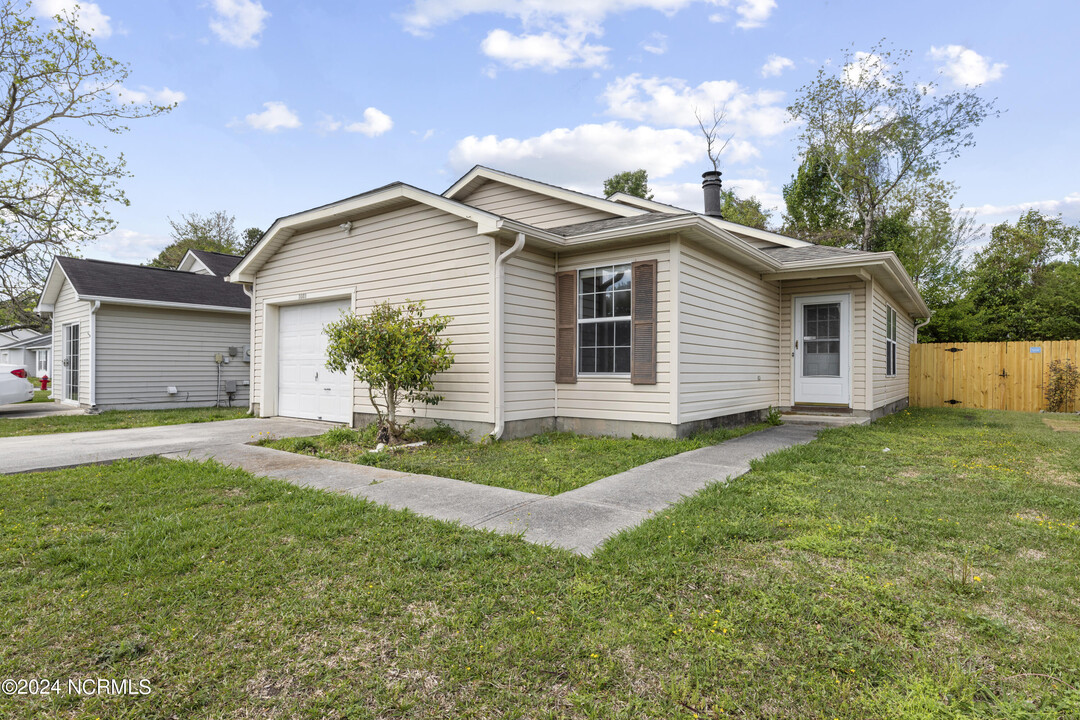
(548, 464)
(835, 580)
(39, 394)
(114, 419)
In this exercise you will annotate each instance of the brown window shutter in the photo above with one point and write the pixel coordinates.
(643, 339)
(566, 327)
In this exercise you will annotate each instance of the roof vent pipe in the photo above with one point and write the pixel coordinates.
(710, 184)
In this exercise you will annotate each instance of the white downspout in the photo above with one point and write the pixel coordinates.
(249, 290)
(500, 333)
(93, 352)
(922, 323)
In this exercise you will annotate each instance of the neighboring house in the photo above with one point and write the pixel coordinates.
(615, 316)
(134, 337)
(33, 352)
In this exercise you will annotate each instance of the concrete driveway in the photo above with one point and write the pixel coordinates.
(60, 450)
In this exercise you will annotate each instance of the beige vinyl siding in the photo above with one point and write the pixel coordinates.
(614, 398)
(890, 389)
(143, 350)
(825, 286)
(728, 332)
(529, 207)
(530, 336)
(67, 309)
(411, 253)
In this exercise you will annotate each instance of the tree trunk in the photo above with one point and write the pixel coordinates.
(868, 230)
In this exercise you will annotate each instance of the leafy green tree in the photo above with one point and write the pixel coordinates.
(1020, 280)
(816, 210)
(748, 211)
(397, 352)
(55, 189)
(631, 182)
(215, 232)
(250, 239)
(875, 132)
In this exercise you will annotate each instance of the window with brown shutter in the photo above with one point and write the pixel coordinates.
(643, 340)
(565, 326)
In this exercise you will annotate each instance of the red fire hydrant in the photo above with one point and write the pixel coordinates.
(44, 382)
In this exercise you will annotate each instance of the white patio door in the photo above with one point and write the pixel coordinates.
(71, 362)
(823, 350)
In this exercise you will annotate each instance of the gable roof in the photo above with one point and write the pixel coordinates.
(480, 174)
(810, 252)
(139, 285)
(34, 341)
(614, 223)
(758, 234)
(387, 197)
(220, 264)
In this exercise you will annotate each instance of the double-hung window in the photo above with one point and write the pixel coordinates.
(890, 341)
(604, 320)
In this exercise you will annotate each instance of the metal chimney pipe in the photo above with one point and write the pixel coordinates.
(710, 185)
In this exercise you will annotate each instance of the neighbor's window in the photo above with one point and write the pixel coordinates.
(42, 362)
(604, 320)
(890, 341)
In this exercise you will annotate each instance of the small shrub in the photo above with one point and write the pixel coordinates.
(773, 416)
(1061, 385)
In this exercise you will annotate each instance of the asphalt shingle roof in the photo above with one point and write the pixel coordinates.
(99, 278)
(809, 252)
(220, 264)
(611, 224)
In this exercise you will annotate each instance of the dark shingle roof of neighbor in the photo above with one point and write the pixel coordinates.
(220, 264)
(100, 278)
(810, 252)
(611, 224)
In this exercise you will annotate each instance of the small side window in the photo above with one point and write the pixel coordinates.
(890, 342)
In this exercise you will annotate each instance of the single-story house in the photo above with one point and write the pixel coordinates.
(33, 352)
(134, 337)
(600, 315)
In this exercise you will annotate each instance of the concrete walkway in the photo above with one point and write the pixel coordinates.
(18, 411)
(60, 450)
(579, 520)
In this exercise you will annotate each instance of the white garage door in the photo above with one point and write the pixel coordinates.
(306, 389)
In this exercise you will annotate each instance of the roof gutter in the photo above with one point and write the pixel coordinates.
(922, 323)
(160, 304)
(500, 334)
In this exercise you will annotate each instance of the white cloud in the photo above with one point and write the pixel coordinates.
(656, 44)
(1068, 205)
(164, 96)
(556, 33)
(581, 157)
(238, 22)
(571, 15)
(672, 102)
(91, 19)
(965, 67)
(751, 13)
(328, 124)
(776, 64)
(375, 123)
(276, 116)
(866, 67)
(543, 51)
(130, 246)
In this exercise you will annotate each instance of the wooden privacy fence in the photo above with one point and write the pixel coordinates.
(991, 376)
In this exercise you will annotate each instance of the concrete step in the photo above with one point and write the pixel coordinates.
(826, 420)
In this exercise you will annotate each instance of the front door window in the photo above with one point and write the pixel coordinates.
(821, 340)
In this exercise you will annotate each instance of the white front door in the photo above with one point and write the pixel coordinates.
(71, 362)
(822, 355)
(306, 389)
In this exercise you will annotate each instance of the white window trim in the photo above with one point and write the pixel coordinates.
(577, 334)
(889, 311)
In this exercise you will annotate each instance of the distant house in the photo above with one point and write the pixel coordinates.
(33, 352)
(134, 337)
(616, 315)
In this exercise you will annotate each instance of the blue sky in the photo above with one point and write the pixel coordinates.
(284, 105)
